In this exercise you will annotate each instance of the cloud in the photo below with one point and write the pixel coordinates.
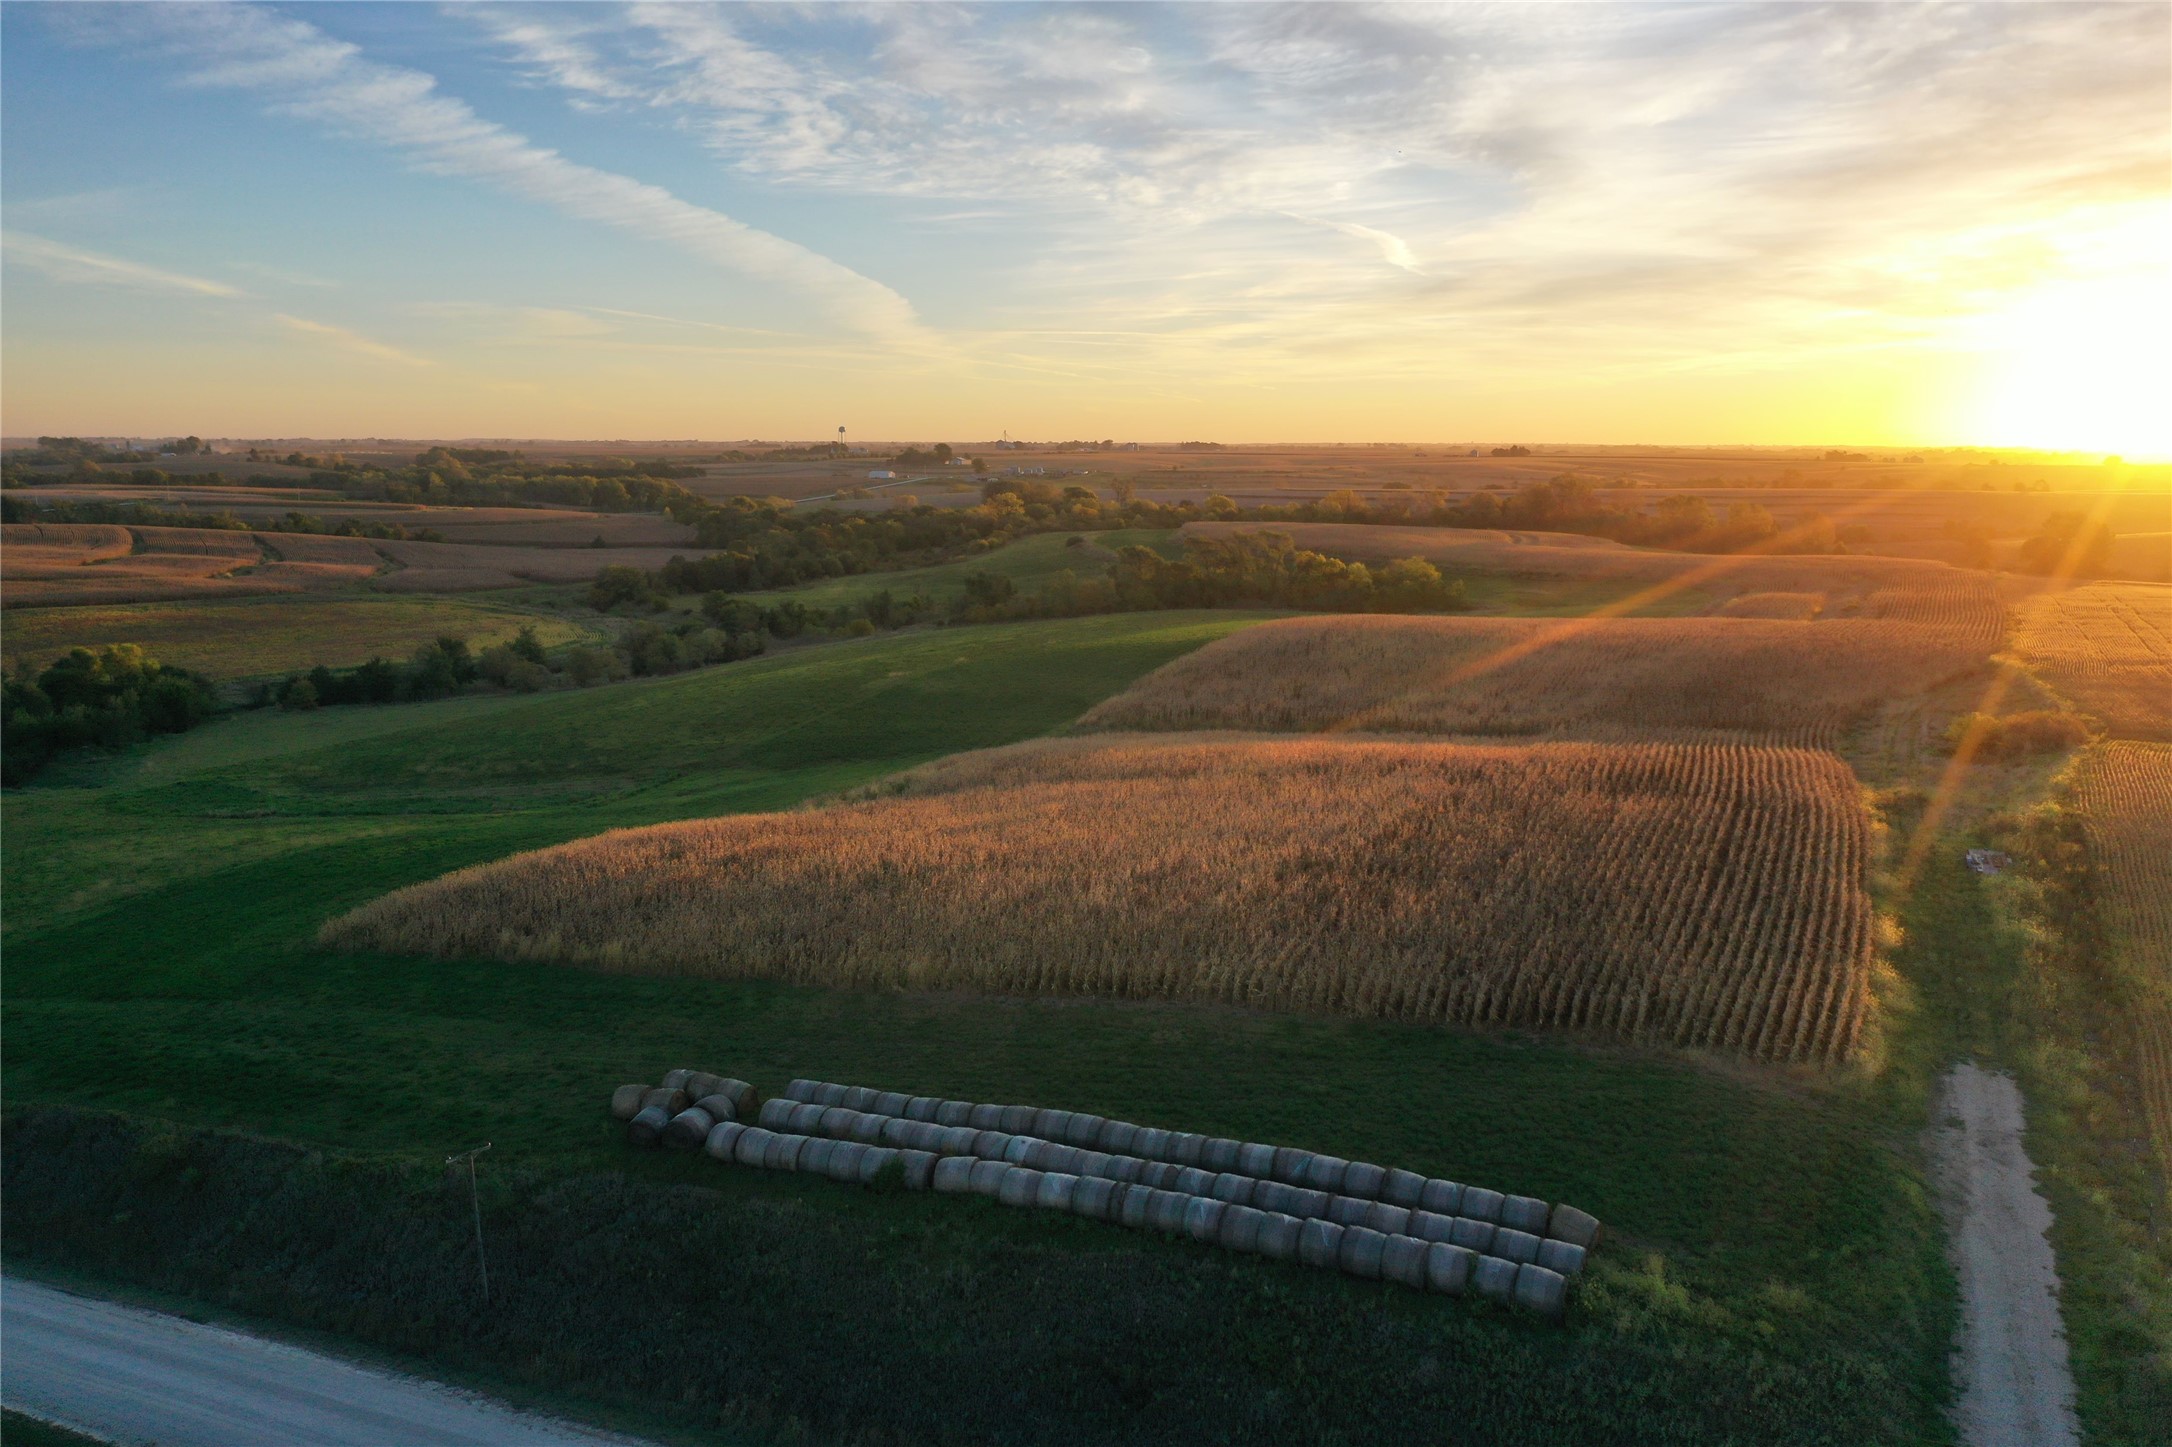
(308, 74)
(350, 341)
(71, 264)
(1393, 249)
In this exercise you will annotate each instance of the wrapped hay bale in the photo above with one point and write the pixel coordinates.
(951, 1140)
(1388, 1220)
(1056, 1191)
(1152, 1144)
(1325, 1173)
(626, 1101)
(1274, 1196)
(1292, 1167)
(1481, 1205)
(891, 1102)
(1564, 1257)
(1578, 1228)
(1493, 1278)
(873, 1163)
(669, 1098)
(845, 1160)
(1018, 1119)
(1448, 1268)
(1525, 1213)
(1094, 1198)
(1277, 1238)
(987, 1177)
(1403, 1259)
(802, 1119)
(1349, 1210)
(814, 1157)
(752, 1145)
(1020, 1149)
(647, 1125)
(1403, 1188)
(1510, 1244)
(776, 1114)
(1428, 1227)
(688, 1129)
(919, 1168)
(1192, 1181)
(895, 1132)
(954, 1175)
(1240, 1228)
(1203, 1218)
(1255, 1160)
(722, 1135)
(1165, 1211)
(922, 1108)
(1123, 1168)
(783, 1152)
(1361, 1250)
(700, 1083)
(1091, 1163)
(831, 1094)
(1442, 1198)
(1161, 1175)
(1021, 1185)
(676, 1079)
(1319, 1243)
(986, 1117)
(866, 1128)
(802, 1090)
(1363, 1179)
(1185, 1148)
(720, 1105)
(1218, 1154)
(1085, 1132)
(1052, 1125)
(1542, 1291)
(991, 1145)
(1118, 1138)
(837, 1122)
(1478, 1235)
(1233, 1189)
(956, 1112)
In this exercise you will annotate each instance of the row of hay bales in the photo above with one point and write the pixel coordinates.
(1506, 1248)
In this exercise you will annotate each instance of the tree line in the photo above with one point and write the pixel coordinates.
(103, 698)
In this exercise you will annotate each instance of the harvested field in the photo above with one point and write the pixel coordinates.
(198, 543)
(2108, 648)
(527, 527)
(48, 563)
(315, 548)
(2125, 794)
(455, 567)
(1801, 607)
(1590, 678)
(1706, 895)
(61, 545)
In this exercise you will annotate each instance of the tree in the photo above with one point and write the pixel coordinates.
(2067, 545)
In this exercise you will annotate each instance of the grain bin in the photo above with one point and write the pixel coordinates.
(1442, 1198)
(919, 1168)
(1165, 1211)
(1240, 1228)
(1325, 1173)
(1255, 1160)
(1093, 1198)
(954, 1175)
(1118, 1138)
(667, 1098)
(1021, 1184)
(1481, 1205)
(1525, 1213)
(1493, 1278)
(1233, 1189)
(722, 1135)
(1563, 1256)
(1361, 1250)
(1363, 1179)
(1403, 1188)
(776, 1114)
(1512, 1245)
(626, 1101)
(1540, 1290)
(687, 1130)
(1578, 1228)
(1218, 1155)
(1056, 1191)
(1478, 1235)
(1403, 1259)
(648, 1124)
(955, 1112)
(1448, 1268)
(719, 1105)
(1203, 1218)
(752, 1145)
(987, 1178)
(1277, 1239)
(1319, 1243)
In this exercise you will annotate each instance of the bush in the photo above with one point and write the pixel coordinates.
(105, 698)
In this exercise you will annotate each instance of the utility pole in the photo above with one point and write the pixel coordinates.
(475, 1203)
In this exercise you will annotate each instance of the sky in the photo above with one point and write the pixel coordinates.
(1667, 223)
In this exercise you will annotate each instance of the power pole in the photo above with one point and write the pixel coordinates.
(475, 1203)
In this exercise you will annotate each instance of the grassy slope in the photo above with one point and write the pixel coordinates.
(1028, 562)
(251, 637)
(1773, 1242)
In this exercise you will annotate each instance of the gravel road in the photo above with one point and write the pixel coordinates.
(142, 1377)
(2010, 1364)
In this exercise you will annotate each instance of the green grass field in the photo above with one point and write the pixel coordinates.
(1776, 1267)
(254, 637)
(1028, 562)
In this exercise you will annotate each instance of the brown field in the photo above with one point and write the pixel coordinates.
(2125, 794)
(1706, 896)
(45, 564)
(314, 548)
(1584, 678)
(34, 547)
(2108, 648)
(485, 566)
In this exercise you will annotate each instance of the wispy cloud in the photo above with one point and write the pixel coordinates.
(350, 341)
(72, 264)
(308, 74)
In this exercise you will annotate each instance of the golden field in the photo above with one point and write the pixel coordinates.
(2124, 791)
(1705, 895)
(2108, 648)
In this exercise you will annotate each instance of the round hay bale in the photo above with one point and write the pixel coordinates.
(1389, 1220)
(1053, 1125)
(783, 1153)
(891, 1102)
(647, 1125)
(921, 1107)
(954, 1175)
(952, 1140)
(1020, 1149)
(1118, 1138)
(1152, 1143)
(1363, 1179)
(1563, 1256)
(1092, 1197)
(1525, 1213)
(1085, 1131)
(1481, 1205)
(991, 1145)
(1349, 1210)
(701, 1083)
(752, 1146)
(1325, 1173)
(1161, 1175)
(1233, 1189)
(1124, 1168)
(1274, 1196)
(1256, 1160)
(1428, 1227)
(776, 1114)
(1442, 1198)
(895, 1130)
(668, 1098)
(626, 1101)
(1403, 1259)
(1510, 1244)
(1132, 1205)
(1187, 1148)
(1165, 1212)
(1361, 1250)
(844, 1161)
(867, 1128)
(1091, 1163)
(802, 1089)
(837, 1122)
(722, 1106)
(1542, 1291)
(1021, 1186)
(1018, 1119)
(722, 1136)
(1240, 1227)
(919, 1169)
(1403, 1188)
(987, 1179)
(676, 1079)
(1277, 1238)
(814, 1157)
(803, 1119)
(856, 1097)
(1319, 1243)
(986, 1117)
(874, 1162)
(956, 1112)
(1307, 1202)
(1292, 1167)
(1056, 1190)
(1493, 1278)
(1578, 1228)
(687, 1130)
(830, 1093)
(1203, 1218)
(1218, 1154)
(1478, 1235)
(1192, 1181)
(1448, 1268)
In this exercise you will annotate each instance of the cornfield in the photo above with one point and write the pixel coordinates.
(1595, 678)
(2125, 794)
(2108, 648)
(1701, 895)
